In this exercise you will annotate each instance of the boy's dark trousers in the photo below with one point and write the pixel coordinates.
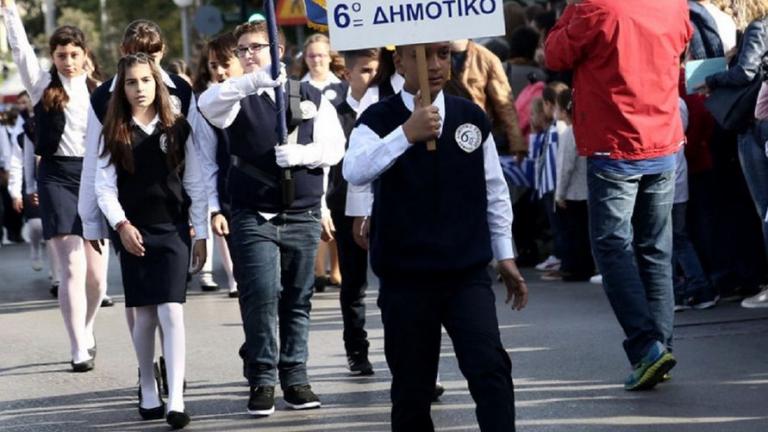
(353, 262)
(412, 313)
(577, 262)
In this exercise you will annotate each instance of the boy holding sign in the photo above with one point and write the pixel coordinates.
(439, 217)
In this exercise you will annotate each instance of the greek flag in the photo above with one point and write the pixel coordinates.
(317, 15)
(545, 154)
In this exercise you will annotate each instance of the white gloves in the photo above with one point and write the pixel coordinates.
(291, 155)
(262, 78)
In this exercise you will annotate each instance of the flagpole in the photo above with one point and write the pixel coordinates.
(286, 180)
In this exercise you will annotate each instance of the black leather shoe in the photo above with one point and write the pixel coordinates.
(155, 413)
(107, 302)
(234, 294)
(83, 366)
(54, 291)
(177, 420)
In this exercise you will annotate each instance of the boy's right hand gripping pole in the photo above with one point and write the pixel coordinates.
(286, 178)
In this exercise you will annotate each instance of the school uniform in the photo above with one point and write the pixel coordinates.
(333, 89)
(159, 200)
(183, 102)
(273, 244)
(438, 219)
(60, 135)
(23, 170)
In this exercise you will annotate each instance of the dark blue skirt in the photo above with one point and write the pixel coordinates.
(58, 185)
(160, 276)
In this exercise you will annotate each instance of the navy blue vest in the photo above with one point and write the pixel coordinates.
(154, 193)
(100, 97)
(49, 127)
(430, 208)
(336, 93)
(336, 196)
(223, 161)
(252, 138)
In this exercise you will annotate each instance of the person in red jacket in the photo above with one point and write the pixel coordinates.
(625, 58)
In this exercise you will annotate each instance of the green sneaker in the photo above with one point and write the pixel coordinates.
(651, 369)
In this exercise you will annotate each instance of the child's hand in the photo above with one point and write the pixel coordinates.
(219, 225)
(561, 204)
(199, 254)
(132, 240)
(329, 229)
(360, 231)
(517, 290)
(424, 123)
(262, 78)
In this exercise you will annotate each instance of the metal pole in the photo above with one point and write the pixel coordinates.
(185, 33)
(282, 128)
(49, 10)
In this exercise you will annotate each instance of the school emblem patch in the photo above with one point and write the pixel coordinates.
(468, 137)
(331, 94)
(308, 110)
(175, 104)
(163, 143)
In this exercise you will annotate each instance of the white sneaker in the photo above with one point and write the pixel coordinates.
(757, 301)
(596, 279)
(550, 264)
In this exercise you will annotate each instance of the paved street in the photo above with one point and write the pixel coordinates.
(568, 366)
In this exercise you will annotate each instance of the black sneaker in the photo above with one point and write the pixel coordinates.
(359, 364)
(437, 392)
(261, 401)
(301, 397)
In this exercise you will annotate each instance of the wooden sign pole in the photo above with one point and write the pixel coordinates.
(426, 96)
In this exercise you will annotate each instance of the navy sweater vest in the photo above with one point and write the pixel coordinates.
(181, 97)
(252, 138)
(223, 161)
(430, 208)
(336, 196)
(336, 93)
(49, 127)
(154, 193)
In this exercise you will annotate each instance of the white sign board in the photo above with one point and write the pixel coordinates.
(358, 24)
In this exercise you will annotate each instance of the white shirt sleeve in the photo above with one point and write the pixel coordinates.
(33, 77)
(220, 104)
(106, 188)
(359, 200)
(15, 171)
(205, 143)
(30, 166)
(327, 147)
(87, 205)
(499, 205)
(369, 155)
(5, 149)
(195, 187)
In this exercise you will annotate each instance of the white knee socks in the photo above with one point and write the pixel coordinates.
(171, 317)
(144, 345)
(70, 254)
(226, 261)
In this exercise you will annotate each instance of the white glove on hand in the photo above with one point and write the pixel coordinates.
(290, 155)
(262, 78)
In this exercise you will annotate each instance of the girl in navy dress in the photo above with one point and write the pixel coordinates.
(60, 97)
(149, 186)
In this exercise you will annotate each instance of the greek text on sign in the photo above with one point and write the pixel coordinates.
(357, 24)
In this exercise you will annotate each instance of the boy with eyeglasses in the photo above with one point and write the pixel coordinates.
(273, 243)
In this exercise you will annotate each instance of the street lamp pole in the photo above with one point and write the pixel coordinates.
(183, 9)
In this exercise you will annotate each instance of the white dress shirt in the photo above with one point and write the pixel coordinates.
(14, 166)
(370, 155)
(107, 194)
(36, 80)
(220, 104)
(87, 206)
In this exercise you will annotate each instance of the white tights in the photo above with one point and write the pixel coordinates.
(226, 261)
(35, 234)
(54, 264)
(83, 285)
(170, 318)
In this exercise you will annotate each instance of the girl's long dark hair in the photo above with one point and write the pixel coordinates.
(386, 68)
(55, 97)
(118, 131)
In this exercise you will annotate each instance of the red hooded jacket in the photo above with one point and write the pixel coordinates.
(626, 61)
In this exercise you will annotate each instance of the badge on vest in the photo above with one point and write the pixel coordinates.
(331, 94)
(308, 110)
(163, 143)
(469, 137)
(175, 104)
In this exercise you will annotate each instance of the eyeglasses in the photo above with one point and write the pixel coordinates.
(253, 48)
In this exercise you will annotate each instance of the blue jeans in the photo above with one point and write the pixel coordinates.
(754, 165)
(630, 228)
(274, 268)
(690, 280)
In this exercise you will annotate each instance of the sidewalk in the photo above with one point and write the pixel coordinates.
(568, 366)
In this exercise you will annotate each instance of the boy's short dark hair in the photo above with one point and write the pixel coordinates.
(142, 36)
(351, 57)
(257, 27)
(523, 43)
(550, 92)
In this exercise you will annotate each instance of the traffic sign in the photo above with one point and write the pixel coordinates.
(291, 12)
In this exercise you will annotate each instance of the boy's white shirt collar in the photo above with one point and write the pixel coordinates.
(439, 102)
(331, 79)
(166, 80)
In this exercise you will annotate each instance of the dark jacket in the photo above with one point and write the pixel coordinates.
(746, 64)
(705, 42)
